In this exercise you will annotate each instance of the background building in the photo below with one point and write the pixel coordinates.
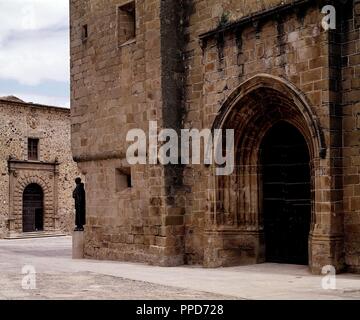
(267, 69)
(37, 170)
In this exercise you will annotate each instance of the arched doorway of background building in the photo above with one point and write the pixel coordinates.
(286, 190)
(33, 208)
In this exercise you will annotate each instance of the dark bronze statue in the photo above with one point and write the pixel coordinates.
(80, 206)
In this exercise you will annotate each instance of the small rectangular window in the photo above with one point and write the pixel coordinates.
(123, 179)
(33, 149)
(84, 32)
(126, 23)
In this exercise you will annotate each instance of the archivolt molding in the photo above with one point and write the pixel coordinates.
(286, 93)
(25, 180)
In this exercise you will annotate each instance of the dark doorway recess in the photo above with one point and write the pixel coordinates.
(286, 194)
(33, 208)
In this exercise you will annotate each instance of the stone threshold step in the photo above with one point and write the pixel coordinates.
(30, 235)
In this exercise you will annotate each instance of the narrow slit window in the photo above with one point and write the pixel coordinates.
(33, 149)
(126, 23)
(85, 32)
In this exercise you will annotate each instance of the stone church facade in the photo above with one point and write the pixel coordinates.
(37, 170)
(268, 70)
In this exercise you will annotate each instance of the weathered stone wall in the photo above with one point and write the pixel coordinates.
(351, 138)
(167, 216)
(117, 87)
(20, 121)
(296, 48)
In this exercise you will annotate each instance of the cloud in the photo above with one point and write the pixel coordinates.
(25, 15)
(34, 40)
(29, 61)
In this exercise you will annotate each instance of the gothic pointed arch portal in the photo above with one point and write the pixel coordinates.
(236, 232)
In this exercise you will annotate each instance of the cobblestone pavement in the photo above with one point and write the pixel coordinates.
(60, 277)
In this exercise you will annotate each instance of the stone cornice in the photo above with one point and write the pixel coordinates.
(277, 12)
(103, 156)
(14, 165)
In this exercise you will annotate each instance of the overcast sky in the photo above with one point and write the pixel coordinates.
(34, 50)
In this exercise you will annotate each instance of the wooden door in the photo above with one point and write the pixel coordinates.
(33, 211)
(286, 195)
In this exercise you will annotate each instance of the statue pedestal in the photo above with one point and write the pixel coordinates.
(78, 245)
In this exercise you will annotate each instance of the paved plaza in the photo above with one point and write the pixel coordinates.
(58, 276)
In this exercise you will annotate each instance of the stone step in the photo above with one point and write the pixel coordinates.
(30, 235)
